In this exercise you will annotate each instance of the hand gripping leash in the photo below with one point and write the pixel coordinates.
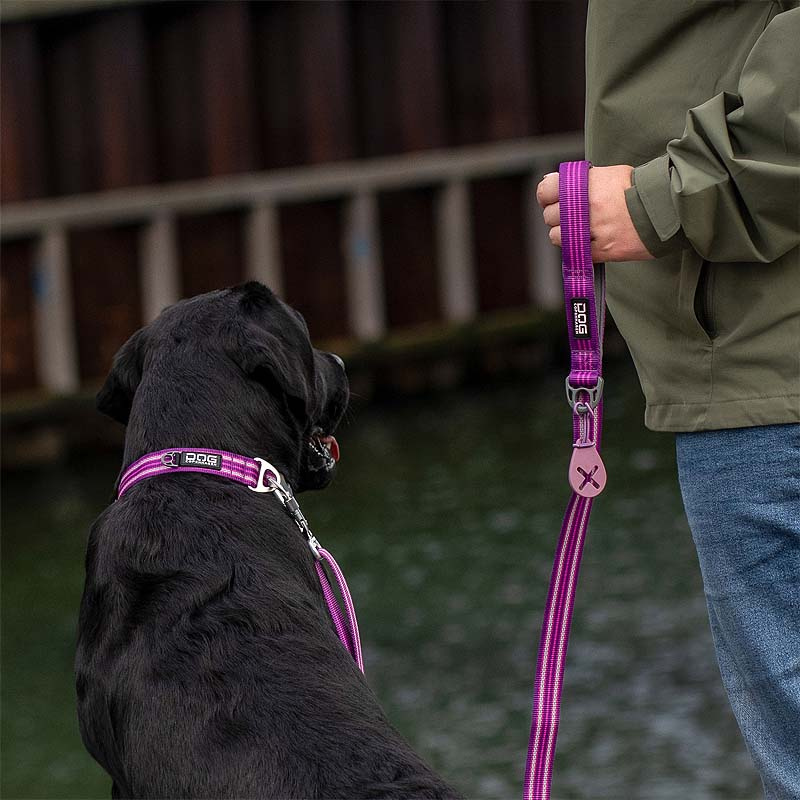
(587, 475)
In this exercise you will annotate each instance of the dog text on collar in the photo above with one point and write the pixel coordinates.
(205, 460)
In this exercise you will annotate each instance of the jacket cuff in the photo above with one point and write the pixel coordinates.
(649, 202)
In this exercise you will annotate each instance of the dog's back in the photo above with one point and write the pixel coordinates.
(207, 665)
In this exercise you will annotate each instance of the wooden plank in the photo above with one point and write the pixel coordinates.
(305, 82)
(69, 106)
(559, 60)
(408, 253)
(419, 97)
(278, 85)
(211, 251)
(325, 81)
(506, 28)
(401, 109)
(290, 185)
(23, 157)
(489, 70)
(500, 244)
(225, 70)
(312, 253)
(121, 131)
(177, 109)
(107, 294)
(18, 354)
(304, 69)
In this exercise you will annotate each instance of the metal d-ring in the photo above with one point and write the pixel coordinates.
(274, 478)
(168, 459)
(594, 395)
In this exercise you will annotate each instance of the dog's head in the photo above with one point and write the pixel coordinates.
(238, 368)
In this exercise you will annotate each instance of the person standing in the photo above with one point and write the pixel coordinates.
(693, 128)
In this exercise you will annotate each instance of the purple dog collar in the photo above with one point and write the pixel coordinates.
(252, 472)
(259, 476)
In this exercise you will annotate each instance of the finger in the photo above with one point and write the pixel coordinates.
(555, 235)
(547, 190)
(552, 215)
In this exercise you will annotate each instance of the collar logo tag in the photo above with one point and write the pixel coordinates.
(205, 460)
(580, 318)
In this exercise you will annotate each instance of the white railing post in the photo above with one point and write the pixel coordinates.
(544, 260)
(454, 241)
(158, 268)
(364, 271)
(263, 247)
(56, 348)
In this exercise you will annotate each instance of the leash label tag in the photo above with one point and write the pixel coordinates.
(587, 473)
(580, 317)
(205, 460)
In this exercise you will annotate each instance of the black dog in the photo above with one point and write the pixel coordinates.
(207, 664)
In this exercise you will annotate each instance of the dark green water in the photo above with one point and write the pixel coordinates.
(444, 517)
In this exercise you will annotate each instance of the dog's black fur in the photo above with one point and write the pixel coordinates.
(207, 664)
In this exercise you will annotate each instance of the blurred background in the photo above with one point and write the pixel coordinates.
(374, 163)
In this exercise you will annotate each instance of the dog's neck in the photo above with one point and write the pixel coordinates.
(257, 424)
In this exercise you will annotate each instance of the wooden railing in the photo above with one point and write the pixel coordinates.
(49, 222)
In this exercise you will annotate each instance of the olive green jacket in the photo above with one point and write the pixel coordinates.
(703, 98)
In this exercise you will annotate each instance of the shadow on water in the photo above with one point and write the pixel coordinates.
(444, 517)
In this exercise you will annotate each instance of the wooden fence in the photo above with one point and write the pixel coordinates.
(373, 161)
(39, 238)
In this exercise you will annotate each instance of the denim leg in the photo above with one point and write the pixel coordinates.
(741, 492)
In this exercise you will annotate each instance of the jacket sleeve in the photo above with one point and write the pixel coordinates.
(730, 186)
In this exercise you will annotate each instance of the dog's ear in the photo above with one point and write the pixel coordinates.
(267, 358)
(116, 396)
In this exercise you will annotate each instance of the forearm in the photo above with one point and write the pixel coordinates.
(730, 186)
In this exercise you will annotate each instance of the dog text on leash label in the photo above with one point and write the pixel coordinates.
(205, 460)
(580, 317)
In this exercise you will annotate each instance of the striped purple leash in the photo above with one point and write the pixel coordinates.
(259, 476)
(587, 475)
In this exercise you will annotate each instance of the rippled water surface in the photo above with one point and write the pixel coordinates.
(444, 517)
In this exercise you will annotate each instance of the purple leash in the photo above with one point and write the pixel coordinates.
(259, 476)
(587, 475)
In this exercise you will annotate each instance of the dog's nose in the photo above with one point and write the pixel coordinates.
(338, 360)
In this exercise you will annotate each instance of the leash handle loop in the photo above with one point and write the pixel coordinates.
(583, 286)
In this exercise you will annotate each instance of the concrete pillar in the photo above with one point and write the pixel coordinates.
(456, 260)
(365, 289)
(263, 247)
(159, 266)
(544, 260)
(56, 347)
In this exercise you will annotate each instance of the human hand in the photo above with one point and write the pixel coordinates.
(614, 238)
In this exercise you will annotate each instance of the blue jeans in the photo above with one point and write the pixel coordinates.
(741, 491)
